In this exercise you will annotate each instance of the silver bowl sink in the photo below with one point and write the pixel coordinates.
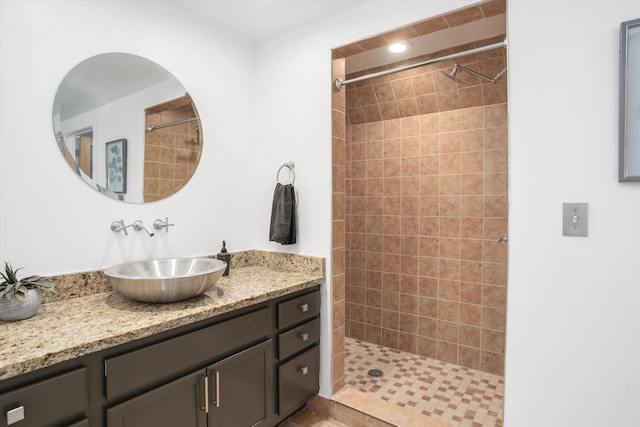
(165, 280)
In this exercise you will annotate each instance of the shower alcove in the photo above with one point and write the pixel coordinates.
(420, 219)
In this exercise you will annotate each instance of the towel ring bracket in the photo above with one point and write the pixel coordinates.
(291, 166)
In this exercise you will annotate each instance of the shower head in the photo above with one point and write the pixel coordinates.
(457, 68)
(452, 75)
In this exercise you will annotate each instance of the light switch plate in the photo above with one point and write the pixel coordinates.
(574, 219)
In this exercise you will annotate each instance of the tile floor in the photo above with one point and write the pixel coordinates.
(414, 391)
(444, 391)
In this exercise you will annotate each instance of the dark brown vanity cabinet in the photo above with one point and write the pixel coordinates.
(251, 367)
(232, 392)
(298, 351)
(178, 403)
(46, 402)
(240, 388)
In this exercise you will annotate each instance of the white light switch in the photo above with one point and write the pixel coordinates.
(574, 219)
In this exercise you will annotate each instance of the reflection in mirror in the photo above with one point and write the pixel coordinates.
(127, 127)
(84, 151)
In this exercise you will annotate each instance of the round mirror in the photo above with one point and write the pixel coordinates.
(127, 127)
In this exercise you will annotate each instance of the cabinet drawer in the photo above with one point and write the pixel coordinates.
(298, 309)
(296, 339)
(45, 402)
(299, 380)
(153, 363)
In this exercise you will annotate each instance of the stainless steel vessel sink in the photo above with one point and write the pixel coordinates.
(165, 280)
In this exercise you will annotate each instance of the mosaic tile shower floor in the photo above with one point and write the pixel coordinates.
(451, 393)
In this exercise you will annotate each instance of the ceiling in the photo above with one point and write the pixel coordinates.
(259, 20)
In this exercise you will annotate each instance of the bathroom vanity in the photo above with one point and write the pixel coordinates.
(244, 354)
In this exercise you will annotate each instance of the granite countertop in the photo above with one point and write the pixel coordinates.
(63, 330)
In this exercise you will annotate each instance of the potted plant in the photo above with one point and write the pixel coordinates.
(20, 298)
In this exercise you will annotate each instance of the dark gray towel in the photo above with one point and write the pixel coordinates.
(283, 215)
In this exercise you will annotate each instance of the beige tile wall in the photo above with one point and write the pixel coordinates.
(426, 200)
(338, 227)
(171, 153)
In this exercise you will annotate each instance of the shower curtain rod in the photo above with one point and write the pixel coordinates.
(177, 122)
(339, 83)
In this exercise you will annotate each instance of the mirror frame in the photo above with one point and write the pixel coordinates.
(629, 132)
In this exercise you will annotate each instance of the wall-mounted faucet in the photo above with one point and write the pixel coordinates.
(159, 224)
(119, 226)
(139, 225)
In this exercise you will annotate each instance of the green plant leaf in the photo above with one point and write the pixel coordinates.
(20, 296)
(11, 284)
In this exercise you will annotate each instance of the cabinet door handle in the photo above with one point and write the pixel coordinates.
(217, 389)
(304, 369)
(304, 336)
(14, 415)
(203, 393)
(304, 308)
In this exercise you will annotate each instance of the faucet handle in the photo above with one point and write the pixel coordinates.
(119, 226)
(159, 224)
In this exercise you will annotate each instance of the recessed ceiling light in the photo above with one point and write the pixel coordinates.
(399, 47)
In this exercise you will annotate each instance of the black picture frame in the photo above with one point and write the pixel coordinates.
(116, 162)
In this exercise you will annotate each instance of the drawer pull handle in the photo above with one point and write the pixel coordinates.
(304, 370)
(304, 336)
(304, 308)
(14, 415)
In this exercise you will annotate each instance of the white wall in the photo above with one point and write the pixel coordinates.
(50, 221)
(573, 309)
(574, 303)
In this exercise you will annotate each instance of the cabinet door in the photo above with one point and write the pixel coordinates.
(240, 388)
(179, 403)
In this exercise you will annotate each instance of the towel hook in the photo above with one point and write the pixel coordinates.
(291, 167)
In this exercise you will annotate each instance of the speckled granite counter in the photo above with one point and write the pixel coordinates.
(63, 330)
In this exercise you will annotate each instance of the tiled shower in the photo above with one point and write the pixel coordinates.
(425, 208)
(426, 202)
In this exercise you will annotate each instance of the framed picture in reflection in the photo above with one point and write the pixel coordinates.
(116, 157)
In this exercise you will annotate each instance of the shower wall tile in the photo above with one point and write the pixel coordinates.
(419, 199)
(171, 153)
(341, 166)
(426, 201)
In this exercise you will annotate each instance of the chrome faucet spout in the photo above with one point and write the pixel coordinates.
(139, 225)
